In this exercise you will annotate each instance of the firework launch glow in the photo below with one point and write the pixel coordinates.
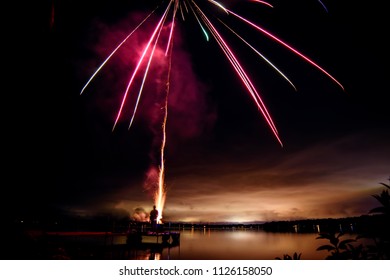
(211, 17)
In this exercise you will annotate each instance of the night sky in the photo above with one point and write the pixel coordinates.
(222, 161)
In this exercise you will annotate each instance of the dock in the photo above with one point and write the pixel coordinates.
(140, 235)
(169, 238)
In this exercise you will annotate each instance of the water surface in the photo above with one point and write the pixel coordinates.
(211, 244)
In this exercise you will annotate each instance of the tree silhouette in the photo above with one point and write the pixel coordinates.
(377, 231)
(384, 200)
(380, 249)
(339, 249)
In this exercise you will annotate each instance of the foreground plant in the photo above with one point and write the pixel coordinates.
(296, 256)
(339, 249)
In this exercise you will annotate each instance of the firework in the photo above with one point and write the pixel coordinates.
(169, 11)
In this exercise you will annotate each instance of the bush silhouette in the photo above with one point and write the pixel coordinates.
(378, 235)
(296, 256)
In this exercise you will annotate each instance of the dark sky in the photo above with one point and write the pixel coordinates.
(222, 161)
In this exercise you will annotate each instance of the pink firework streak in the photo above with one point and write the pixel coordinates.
(164, 30)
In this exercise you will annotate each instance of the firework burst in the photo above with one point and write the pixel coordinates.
(165, 17)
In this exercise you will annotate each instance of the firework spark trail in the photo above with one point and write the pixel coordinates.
(241, 73)
(160, 23)
(200, 24)
(261, 55)
(263, 2)
(161, 192)
(114, 51)
(144, 78)
(185, 5)
(218, 5)
(181, 12)
(287, 46)
(173, 25)
(323, 5)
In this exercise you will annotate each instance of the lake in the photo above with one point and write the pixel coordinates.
(195, 244)
(211, 244)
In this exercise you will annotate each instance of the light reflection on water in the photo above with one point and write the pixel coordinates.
(211, 244)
